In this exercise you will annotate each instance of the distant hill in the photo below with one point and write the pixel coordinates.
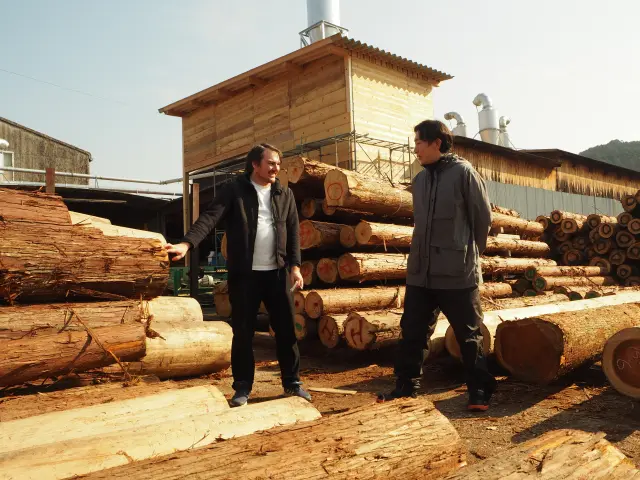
(617, 152)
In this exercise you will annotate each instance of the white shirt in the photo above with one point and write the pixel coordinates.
(264, 250)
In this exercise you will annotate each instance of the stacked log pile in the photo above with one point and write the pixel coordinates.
(77, 293)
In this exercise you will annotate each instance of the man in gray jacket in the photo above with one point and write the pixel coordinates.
(452, 219)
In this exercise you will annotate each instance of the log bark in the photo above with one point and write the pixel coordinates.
(516, 225)
(46, 262)
(495, 290)
(311, 207)
(369, 330)
(42, 319)
(521, 285)
(504, 211)
(331, 329)
(327, 270)
(549, 283)
(356, 191)
(607, 230)
(77, 218)
(179, 349)
(524, 248)
(308, 272)
(44, 356)
(624, 218)
(620, 361)
(319, 234)
(99, 452)
(307, 175)
(564, 271)
(558, 215)
(617, 257)
(33, 207)
(342, 300)
(544, 221)
(540, 346)
(595, 219)
(364, 267)
(387, 235)
(107, 418)
(572, 257)
(353, 217)
(117, 231)
(305, 328)
(600, 262)
(624, 239)
(360, 443)
(572, 225)
(298, 301)
(555, 455)
(496, 265)
(348, 236)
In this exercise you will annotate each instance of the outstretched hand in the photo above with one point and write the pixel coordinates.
(178, 250)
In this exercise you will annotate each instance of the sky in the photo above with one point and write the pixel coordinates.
(565, 71)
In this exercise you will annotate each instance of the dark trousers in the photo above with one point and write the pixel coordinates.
(245, 294)
(464, 312)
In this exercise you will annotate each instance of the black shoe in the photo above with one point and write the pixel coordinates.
(398, 392)
(297, 391)
(478, 401)
(240, 398)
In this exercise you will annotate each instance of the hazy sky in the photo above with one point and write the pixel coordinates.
(566, 72)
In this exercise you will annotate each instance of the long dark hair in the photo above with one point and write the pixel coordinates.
(255, 156)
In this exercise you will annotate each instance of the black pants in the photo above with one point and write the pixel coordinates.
(464, 312)
(245, 294)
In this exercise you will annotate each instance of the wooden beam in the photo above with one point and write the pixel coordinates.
(334, 50)
(50, 180)
(257, 81)
(294, 67)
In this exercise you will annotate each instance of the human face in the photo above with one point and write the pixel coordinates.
(426, 152)
(269, 167)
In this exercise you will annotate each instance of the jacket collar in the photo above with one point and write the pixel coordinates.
(245, 178)
(445, 161)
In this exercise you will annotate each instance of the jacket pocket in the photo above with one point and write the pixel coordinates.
(414, 263)
(447, 262)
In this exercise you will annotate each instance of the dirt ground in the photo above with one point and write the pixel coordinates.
(518, 411)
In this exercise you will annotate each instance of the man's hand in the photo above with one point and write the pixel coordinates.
(296, 278)
(179, 250)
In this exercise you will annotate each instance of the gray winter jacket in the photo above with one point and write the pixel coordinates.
(452, 219)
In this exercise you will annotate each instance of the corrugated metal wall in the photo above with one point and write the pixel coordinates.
(531, 202)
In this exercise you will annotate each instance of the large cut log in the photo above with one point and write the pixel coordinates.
(298, 301)
(348, 236)
(77, 217)
(331, 329)
(632, 282)
(308, 272)
(564, 271)
(180, 349)
(631, 205)
(327, 270)
(555, 455)
(549, 283)
(34, 207)
(633, 252)
(564, 247)
(522, 248)
(621, 361)
(368, 330)
(43, 262)
(558, 215)
(495, 290)
(364, 267)
(311, 207)
(305, 328)
(572, 225)
(544, 221)
(43, 356)
(107, 418)
(580, 242)
(624, 239)
(548, 341)
(505, 211)
(603, 246)
(490, 324)
(626, 271)
(117, 231)
(343, 300)
(306, 175)
(319, 234)
(515, 225)
(387, 235)
(353, 217)
(617, 257)
(404, 439)
(496, 265)
(607, 230)
(357, 191)
(634, 226)
(561, 236)
(624, 218)
(595, 219)
(39, 319)
(572, 258)
(91, 454)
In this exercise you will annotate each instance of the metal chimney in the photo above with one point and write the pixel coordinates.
(504, 139)
(323, 17)
(461, 128)
(487, 119)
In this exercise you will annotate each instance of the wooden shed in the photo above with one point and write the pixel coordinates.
(31, 149)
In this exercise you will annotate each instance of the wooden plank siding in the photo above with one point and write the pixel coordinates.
(595, 182)
(299, 108)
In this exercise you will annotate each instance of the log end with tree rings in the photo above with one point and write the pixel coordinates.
(336, 188)
(594, 220)
(544, 221)
(309, 235)
(600, 262)
(633, 252)
(580, 243)
(308, 272)
(327, 209)
(625, 239)
(295, 168)
(347, 236)
(308, 208)
(540, 284)
(624, 218)
(561, 236)
(530, 273)
(305, 328)
(358, 332)
(629, 203)
(564, 247)
(556, 217)
(617, 257)
(313, 304)
(634, 226)
(621, 361)
(606, 230)
(283, 177)
(299, 301)
(632, 282)
(330, 329)
(363, 233)
(453, 347)
(593, 235)
(625, 271)
(569, 225)
(327, 270)
(603, 246)
(575, 295)
(572, 257)
(348, 267)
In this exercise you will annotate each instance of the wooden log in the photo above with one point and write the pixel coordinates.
(603, 246)
(516, 225)
(632, 282)
(523, 248)
(353, 217)
(298, 301)
(633, 252)
(357, 191)
(180, 349)
(543, 343)
(595, 219)
(310, 207)
(283, 177)
(504, 211)
(572, 225)
(593, 235)
(428, 448)
(564, 271)
(305, 328)
(327, 270)
(77, 262)
(549, 283)
(307, 175)
(634, 226)
(496, 265)
(43, 356)
(41, 319)
(561, 236)
(331, 329)
(572, 257)
(544, 221)
(558, 215)
(33, 207)
(91, 454)
(521, 285)
(368, 330)
(495, 290)
(630, 204)
(607, 230)
(620, 361)
(557, 454)
(624, 239)
(580, 243)
(117, 231)
(364, 267)
(342, 300)
(77, 217)
(600, 262)
(348, 236)
(387, 235)
(107, 418)
(564, 247)
(590, 252)
(617, 257)
(319, 234)
(625, 271)
(624, 218)
(308, 272)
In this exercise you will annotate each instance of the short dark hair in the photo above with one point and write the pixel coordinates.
(255, 155)
(430, 130)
